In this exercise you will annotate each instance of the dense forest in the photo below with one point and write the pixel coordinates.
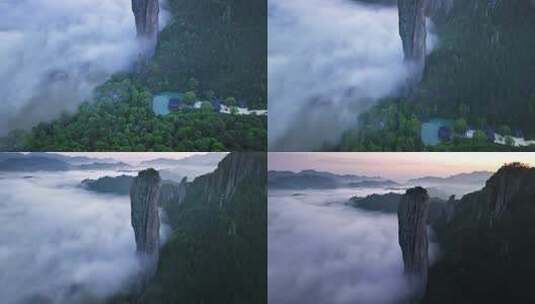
(481, 72)
(221, 43)
(395, 125)
(210, 48)
(121, 119)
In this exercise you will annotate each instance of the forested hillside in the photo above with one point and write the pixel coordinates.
(487, 244)
(223, 44)
(219, 240)
(484, 65)
(210, 49)
(481, 72)
(121, 119)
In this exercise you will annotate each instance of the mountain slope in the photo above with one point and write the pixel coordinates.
(32, 164)
(473, 177)
(217, 253)
(312, 179)
(221, 43)
(480, 68)
(487, 244)
(479, 73)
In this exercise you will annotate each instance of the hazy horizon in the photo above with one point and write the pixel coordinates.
(396, 165)
(132, 158)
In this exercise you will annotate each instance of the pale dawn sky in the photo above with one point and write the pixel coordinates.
(397, 166)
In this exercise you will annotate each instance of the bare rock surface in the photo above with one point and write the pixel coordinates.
(144, 197)
(412, 219)
(413, 32)
(146, 13)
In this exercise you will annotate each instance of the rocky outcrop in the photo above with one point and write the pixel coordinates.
(144, 196)
(503, 187)
(229, 235)
(490, 204)
(232, 170)
(488, 238)
(438, 7)
(412, 219)
(413, 32)
(146, 13)
(439, 210)
(119, 185)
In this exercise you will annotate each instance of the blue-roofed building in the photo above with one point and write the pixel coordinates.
(430, 131)
(242, 104)
(166, 102)
(444, 133)
(174, 104)
(216, 104)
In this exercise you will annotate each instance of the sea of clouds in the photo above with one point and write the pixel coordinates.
(61, 244)
(323, 251)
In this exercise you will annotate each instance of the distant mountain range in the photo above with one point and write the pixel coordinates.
(40, 161)
(439, 187)
(73, 160)
(312, 179)
(104, 166)
(209, 159)
(476, 177)
(31, 162)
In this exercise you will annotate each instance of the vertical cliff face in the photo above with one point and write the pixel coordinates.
(490, 204)
(412, 219)
(144, 196)
(147, 13)
(489, 238)
(412, 29)
(221, 225)
(502, 187)
(173, 193)
(232, 170)
(438, 7)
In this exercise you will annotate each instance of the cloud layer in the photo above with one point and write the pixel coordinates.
(60, 244)
(321, 251)
(54, 52)
(329, 60)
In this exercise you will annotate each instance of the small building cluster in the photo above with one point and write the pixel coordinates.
(167, 102)
(439, 130)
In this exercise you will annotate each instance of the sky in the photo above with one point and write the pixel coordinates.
(397, 166)
(133, 158)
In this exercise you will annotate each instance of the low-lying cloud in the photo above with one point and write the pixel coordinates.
(61, 244)
(54, 52)
(320, 251)
(329, 60)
